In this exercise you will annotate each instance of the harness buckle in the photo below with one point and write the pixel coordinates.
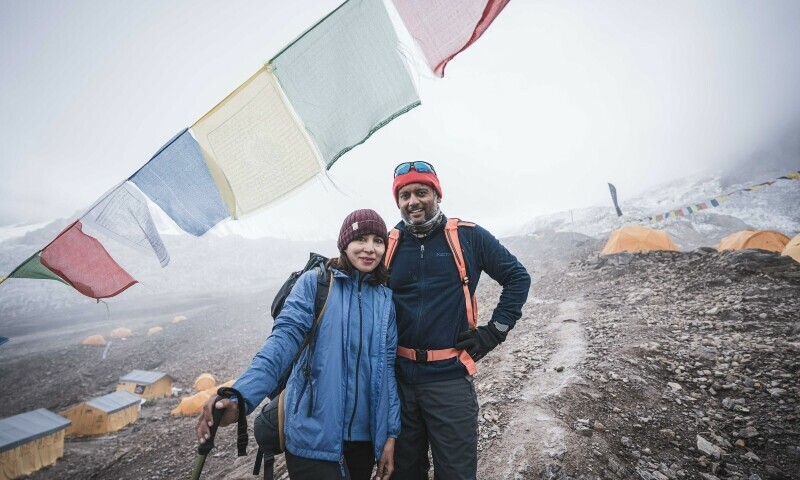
(465, 280)
(420, 355)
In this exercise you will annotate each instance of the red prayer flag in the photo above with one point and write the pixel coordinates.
(445, 28)
(85, 264)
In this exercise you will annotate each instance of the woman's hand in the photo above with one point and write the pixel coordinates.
(205, 421)
(386, 462)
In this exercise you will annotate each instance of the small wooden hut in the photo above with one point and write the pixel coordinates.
(30, 441)
(102, 415)
(146, 384)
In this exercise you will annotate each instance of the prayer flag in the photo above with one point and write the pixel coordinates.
(254, 147)
(714, 202)
(177, 180)
(613, 190)
(83, 262)
(123, 215)
(33, 268)
(444, 28)
(345, 77)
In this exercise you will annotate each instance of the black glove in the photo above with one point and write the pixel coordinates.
(481, 341)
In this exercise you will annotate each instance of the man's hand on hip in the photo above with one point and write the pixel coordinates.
(481, 341)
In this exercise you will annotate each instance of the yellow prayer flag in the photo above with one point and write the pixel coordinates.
(255, 148)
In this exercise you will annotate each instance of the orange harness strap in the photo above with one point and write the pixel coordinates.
(391, 246)
(451, 234)
(434, 355)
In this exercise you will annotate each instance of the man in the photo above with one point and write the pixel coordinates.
(437, 348)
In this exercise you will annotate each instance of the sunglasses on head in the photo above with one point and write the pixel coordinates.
(405, 167)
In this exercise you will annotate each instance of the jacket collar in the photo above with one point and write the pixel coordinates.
(401, 225)
(342, 275)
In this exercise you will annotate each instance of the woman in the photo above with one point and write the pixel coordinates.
(348, 415)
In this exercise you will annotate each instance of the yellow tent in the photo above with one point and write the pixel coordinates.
(30, 441)
(193, 405)
(155, 330)
(121, 333)
(769, 240)
(102, 415)
(213, 390)
(635, 238)
(94, 340)
(204, 382)
(792, 249)
(179, 319)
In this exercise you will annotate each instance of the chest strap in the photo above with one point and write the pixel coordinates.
(423, 356)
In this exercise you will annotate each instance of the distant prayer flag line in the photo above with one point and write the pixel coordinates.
(716, 201)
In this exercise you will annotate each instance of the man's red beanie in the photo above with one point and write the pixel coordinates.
(413, 176)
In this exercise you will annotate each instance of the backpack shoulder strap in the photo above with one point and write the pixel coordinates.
(323, 287)
(391, 246)
(324, 281)
(451, 234)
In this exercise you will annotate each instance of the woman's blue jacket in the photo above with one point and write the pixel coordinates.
(320, 435)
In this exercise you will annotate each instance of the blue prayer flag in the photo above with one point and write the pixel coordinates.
(177, 180)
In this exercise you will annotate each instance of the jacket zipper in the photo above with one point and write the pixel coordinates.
(421, 283)
(358, 362)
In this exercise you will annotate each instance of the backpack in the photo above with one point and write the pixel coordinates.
(268, 425)
(451, 235)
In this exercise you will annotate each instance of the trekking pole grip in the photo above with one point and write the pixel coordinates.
(216, 415)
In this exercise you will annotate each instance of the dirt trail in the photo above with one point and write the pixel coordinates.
(534, 433)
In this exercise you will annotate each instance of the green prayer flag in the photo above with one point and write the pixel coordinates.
(33, 268)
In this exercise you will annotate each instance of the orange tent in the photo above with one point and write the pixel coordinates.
(769, 240)
(792, 249)
(635, 238)
(191, 405)
(205, 381)
(154, 330)
(121, 332)
(94, 340)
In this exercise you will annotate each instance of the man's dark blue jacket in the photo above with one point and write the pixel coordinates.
(429, 298)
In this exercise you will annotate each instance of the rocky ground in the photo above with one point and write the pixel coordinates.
(651, 366)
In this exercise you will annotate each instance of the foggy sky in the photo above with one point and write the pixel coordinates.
(555, 100)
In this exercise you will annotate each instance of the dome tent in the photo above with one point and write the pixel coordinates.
(769, 240)
(121, 332)
(205, 381)
(635, 238)
(94, 340)
(792, 249)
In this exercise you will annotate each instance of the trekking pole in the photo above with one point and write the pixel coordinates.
(204, 448)
(216, 415)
